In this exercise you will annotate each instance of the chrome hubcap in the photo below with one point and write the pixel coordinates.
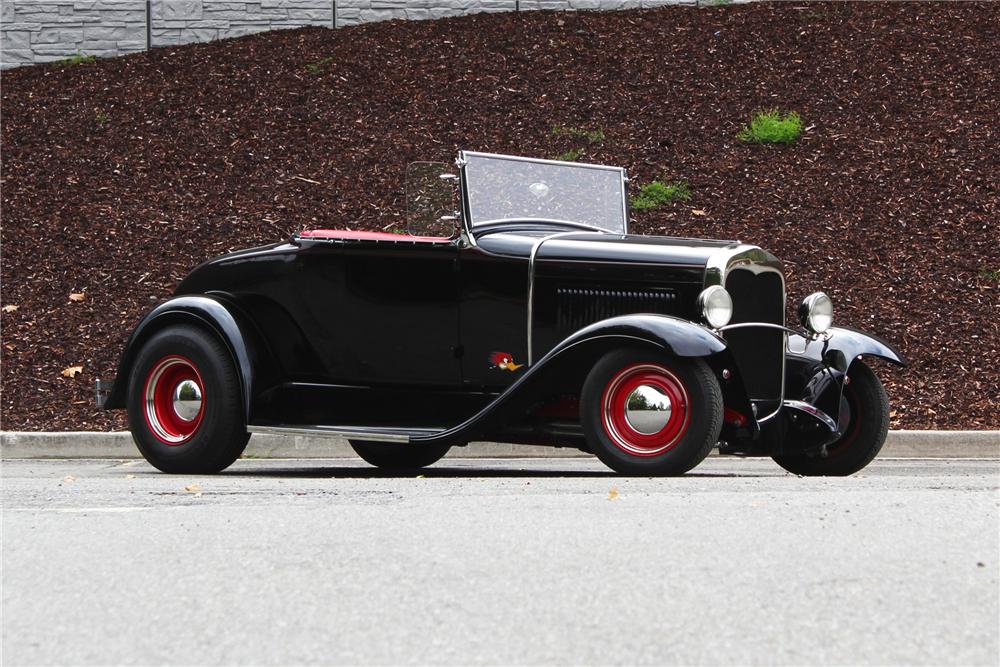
(175, 402)
(187, 400)
(648, 409)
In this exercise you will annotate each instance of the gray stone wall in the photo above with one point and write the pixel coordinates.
(185, 21)
(38, 31)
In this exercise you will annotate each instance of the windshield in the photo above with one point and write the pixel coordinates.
(502, 188)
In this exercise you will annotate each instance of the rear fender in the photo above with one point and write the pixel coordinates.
(210, 313)
(815, 369)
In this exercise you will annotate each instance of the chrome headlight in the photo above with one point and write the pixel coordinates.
(816, 312)
(716, 306)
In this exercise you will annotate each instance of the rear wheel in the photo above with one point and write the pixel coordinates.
(649, 414)
(184, 403)
(399, 456)
(867, 407)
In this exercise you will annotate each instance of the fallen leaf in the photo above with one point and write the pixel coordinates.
(77, 296)
(69, 478)
(192, 488)
(613, 493)
(72, 371)
(698, 211)
(10, 308)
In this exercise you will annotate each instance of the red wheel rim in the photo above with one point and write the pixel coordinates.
(670, 423)
(174, 400)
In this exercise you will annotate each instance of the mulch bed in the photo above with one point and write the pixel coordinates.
(119, 176)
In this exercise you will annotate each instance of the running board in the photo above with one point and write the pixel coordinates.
(377, 434)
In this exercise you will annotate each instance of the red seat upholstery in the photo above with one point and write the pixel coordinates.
(356, 235)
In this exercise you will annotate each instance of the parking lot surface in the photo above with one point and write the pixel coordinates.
(499, 561)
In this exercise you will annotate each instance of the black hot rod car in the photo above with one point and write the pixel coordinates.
(518, 309)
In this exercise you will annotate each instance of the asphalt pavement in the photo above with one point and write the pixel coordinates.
(499, 561)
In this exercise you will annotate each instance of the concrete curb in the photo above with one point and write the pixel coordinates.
(119, 445)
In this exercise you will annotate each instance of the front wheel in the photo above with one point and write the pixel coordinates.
(399, 456)
(184, 402)
(648, 414)
(867, 407)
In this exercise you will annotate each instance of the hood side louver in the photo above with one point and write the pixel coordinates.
(577, 307)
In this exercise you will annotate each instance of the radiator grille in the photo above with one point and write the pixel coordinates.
(759, 352)
(578, 307)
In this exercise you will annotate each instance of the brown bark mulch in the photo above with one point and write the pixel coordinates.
(119, 176)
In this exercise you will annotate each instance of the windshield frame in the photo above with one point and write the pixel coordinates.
(471, 227)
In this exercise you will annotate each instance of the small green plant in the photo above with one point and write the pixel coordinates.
(319, 65)
(572, 155)
(78, 59)
(771, 127)
(592, 136)
(656, 194)
(102, 117)
(990, 274)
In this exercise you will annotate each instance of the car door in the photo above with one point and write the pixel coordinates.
(400, 312)
(494, 319)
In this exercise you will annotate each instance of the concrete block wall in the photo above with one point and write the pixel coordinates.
(184, 21)
(352, 12)
(38, 31)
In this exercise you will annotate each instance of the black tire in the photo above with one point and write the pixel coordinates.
(684, 440)
(865, 398)
(399, 456)
(209, 441)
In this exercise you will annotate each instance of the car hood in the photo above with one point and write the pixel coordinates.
(601, 247)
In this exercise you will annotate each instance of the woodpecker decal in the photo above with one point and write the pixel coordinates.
(503, 361)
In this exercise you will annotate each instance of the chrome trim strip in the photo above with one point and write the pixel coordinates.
(330, 433)
(812, 410)
(625, 201)
(531, 286)
(584, 228)
(466, 236)
(560, 163)
(765, 325)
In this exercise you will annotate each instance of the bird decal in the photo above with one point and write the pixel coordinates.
(503, 361)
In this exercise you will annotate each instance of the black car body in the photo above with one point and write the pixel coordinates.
(495, 331)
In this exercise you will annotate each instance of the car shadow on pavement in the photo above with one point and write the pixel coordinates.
(339, 472)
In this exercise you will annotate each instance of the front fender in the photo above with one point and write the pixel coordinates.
(580, 350)
(815, 369)
(676, 336)
(207, 312)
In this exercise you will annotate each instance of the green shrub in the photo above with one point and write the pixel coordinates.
(592, 136)
(319, 65)
(771, 127)
(656, 194)
(572, 155)
(78, 59)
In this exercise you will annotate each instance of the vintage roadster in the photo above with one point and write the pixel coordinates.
(518, 309)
